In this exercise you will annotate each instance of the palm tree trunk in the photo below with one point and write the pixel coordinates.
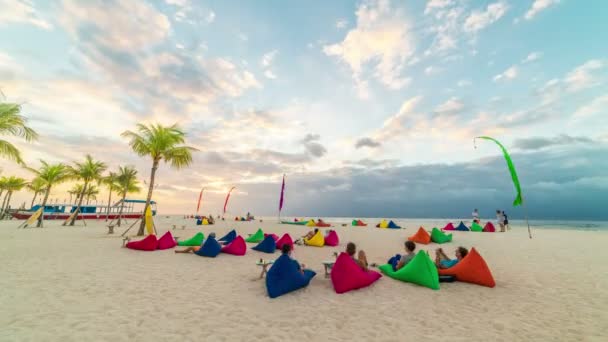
(3, 204)
(149, 198)
(34, 199)
(80, 199)
(9, 194)
(108, 209)
(122, 206)
(46, 198)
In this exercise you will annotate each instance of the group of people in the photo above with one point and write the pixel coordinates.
(502, 220)
(441, 258)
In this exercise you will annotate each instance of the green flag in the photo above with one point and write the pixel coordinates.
(518, 200)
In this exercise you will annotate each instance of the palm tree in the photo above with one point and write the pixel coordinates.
(50, 174)
(75, 190)
(89, 171)
(110, 182)
(2, 186)
(159, 143)
(11, 123)
(91, 193)
(12, 184)
(126, 183)
(36, 186)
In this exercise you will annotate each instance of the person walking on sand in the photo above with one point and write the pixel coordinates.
(505, 220)
(500, 220)
(476, 216)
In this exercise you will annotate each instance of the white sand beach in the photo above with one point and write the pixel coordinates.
(77, 283)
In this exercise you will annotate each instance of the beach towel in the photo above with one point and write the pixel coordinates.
(462, 227)
(268, 245)
(229, 237)
(392, 225)
(475, 227)
(471, 269)
(316, 240)
(285, 239)
(284, 276)
(346, 275)
(211, 248)
(421, 236)
(420, 270)
(257, 237)
(196, 240)
(332, 238)
(449, 226)
(437, 236)
(148, 243)
(166, 241)
(489, 228)
(322, 223)
(236, 247)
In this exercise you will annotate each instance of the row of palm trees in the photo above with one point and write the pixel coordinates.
(160, 143)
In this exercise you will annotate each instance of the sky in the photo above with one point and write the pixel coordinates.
(369, 107)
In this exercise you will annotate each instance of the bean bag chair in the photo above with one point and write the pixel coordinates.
(146, 244)
(236, 247)
(284, 276)
(471, 269)
(228, 237)
(437, 236)
(489, 228)
(392, 225)
(257, 237)
(166, 241)
(316, 240)
(421, 236)
(354, 223)
(298, 223)
(268, 245)
(449, 226)
(196, 240)
(285, 239)
(462, 227)
(205, 222)
(420, 270)
(211, 248)
(332, 238)
(382, 224)
(274, 236)
(346, 275)
(199, 222)
(243, 219)
(322, 223)
(361, 223)
(475, 227)
(311, 223)
(236, 218)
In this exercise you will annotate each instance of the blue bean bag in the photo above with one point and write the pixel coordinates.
(393, 225)
(210, 248)
(284, 276)
(462, 227)
(268, 245)
(228, 237)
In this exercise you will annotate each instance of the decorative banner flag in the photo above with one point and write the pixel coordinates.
(200, 196)
(227, 198)
(282, 192)
(148, 220)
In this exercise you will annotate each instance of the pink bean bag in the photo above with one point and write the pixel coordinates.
(285, 239)
(449, 226)
(166, 241)
(332, 238)
(346, 275)
(236, 247)
(489, 228)
(146, 244)
(274, 237)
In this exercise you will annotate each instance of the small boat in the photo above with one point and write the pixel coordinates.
(89, 212)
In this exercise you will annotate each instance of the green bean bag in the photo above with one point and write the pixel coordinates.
(257, 237)
(437, 236)
(421, 270)
(475, 227)
(196, 240)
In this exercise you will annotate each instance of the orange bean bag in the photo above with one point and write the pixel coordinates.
(421, 236)
(471, 269)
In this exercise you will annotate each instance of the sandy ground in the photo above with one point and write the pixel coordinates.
(77, 284)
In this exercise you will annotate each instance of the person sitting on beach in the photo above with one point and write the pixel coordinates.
(361, 259)
(286, 250)
(476, 216)
(500, 220)
(442, 260)
(310, 234)
(410, 247)
(193, 249)
(210, 219)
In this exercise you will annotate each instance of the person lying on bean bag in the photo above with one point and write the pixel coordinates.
(443, 261)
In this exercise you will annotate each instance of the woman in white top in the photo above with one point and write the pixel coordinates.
(476, 216)
(500, 220)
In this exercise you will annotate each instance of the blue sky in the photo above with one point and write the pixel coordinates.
(372, 104)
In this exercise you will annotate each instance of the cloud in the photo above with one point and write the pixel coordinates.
(533, 56)
(269, 74)
(190, 13)
(464, 83)
(431, 70)
(596, 106)
(380, 41)
(341, 23)
(451, 106)
(312, 146)
(268, 58)
(21, 12)
(583, 76)
(537, 143)
(432, 5)
(367, 142)
(538, 6)
(507, 75)
(478, 20)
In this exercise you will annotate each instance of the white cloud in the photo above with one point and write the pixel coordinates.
(508, 74)
(380, 40)
(464, 83)
(431, 70)
(533, 56)
(451, 106)
(478, 20)
(270, 74)
(268, 58)
(583, 77)
(210, 17)
(538, 6)
(341, 23)
(21, 11)
(436, 4)
(596, 106)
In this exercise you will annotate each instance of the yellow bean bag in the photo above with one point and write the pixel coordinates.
(383, 224)
(317, 240)
(205, 221)
(311, 223)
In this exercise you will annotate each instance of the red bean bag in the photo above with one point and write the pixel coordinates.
(471, 269)
(346, 275)
(361, 223)
(449, 226)
(321, 223)
(285, 239)
(332, 238)
(489, 228)
(146, 244)
(274, 236)
(421, 236)
(166, 241)
(236, 247)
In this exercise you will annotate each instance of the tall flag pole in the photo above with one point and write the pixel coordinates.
(200, 197)
(227, 198)
(282, 197)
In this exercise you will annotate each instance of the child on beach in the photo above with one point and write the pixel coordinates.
(442, 260)
(361, 259)
(399, 261)
(505, 220)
